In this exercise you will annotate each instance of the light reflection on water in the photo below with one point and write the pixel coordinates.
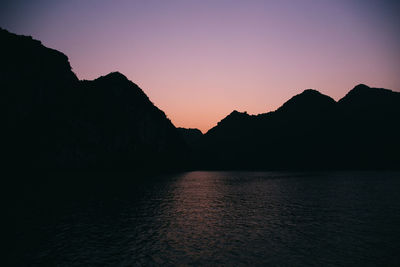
(230, 218)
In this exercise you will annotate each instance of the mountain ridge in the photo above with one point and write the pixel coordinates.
(347, 134)
(55, 120)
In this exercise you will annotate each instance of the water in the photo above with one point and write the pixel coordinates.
(220, 218)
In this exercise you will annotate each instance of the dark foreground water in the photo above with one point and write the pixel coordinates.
(215, 218)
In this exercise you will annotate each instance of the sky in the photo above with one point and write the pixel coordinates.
(200, 60)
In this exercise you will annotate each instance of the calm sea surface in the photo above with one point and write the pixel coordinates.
(217, 218)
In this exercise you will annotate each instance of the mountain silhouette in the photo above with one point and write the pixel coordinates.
(56, 121)
(363, 101)
(309, 103)
(310, 131)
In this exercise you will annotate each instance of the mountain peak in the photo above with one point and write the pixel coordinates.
(309, 100)
(114, 76)
(233, 117)
(117, 80)
(310, 92)
(37, 60)
(236, 114)
(363, 95)
(361, 86)
(110, 122)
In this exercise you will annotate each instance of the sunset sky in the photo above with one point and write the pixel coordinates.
(199, 60)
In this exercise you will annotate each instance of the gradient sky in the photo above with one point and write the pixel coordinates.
(199, 60)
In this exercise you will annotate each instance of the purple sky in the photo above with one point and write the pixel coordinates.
(199, 60)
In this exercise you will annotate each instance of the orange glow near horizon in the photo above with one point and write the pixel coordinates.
(200, 60)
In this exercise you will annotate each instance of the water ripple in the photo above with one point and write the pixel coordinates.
(228, 218)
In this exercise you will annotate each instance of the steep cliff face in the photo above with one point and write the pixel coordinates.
(53, 120)
(35, 81)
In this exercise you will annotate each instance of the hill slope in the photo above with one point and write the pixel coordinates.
(56, 121)
(53, 120)
(310, 131)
